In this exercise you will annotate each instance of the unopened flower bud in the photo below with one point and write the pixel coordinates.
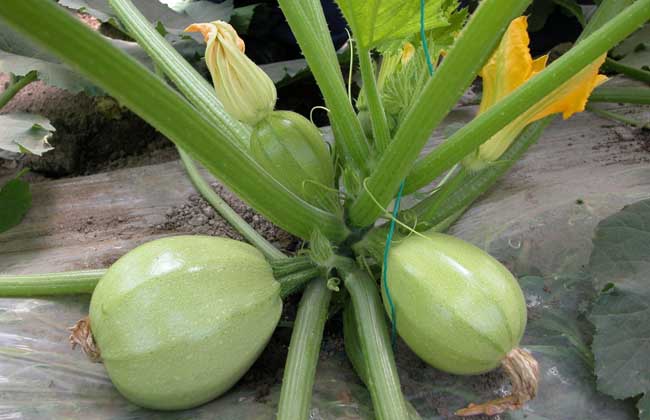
(245, 90)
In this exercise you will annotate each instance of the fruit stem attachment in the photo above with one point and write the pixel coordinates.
(523, 371)
(50, 284)
(300, 369)
(81, 335)
(383, 381)
(294, 282)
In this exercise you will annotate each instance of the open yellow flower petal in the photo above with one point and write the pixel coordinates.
(511, 66)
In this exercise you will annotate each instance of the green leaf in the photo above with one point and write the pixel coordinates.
(201, 10)
(52, 73)
(15, 200)
(175, 15)
(241, 18)
(635, 50)
(620, 262)
(282, 71)
(376, 21)
(573, 8)
(19, 56)
(400, 86)
(25, 133)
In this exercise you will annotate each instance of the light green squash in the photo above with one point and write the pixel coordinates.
(179, 320)
(457, 308)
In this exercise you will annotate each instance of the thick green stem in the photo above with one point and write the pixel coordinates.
(383, 381)
(50, 284)
(282, 267)
(380, 130)
(355, 355)
(291, 273)
(15, 87)
(617, 117)
(300, 368)
(309, 26)
(292, 283)
(470, 51)
(197, 90)
(436, 209)
(147, 95)
(246, 230)
(628, 95)
(429, 208)
(631, 72)
(484, 126)
(443, 211)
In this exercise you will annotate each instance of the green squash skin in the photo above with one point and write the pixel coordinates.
(292, 149)
(457, 308)
(179, 320)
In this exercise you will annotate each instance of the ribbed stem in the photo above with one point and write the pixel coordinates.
(212, 144)
(435, 209)
(282, 267)
(443, 212)
(15, 87)
(383, 381)
(380, 130)
(300, 368)
(50, 284)
(309, 26)
(246, 230)
(484, 126)
(355, 355)
(631, 72)
(293, 283)
(470, 51)
(194, 86)
(628, 95)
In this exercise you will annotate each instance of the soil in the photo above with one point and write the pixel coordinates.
(198, 217)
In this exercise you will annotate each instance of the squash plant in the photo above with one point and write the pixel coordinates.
(429, 57)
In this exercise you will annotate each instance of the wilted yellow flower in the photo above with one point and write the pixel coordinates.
(511, 66)
(246, 92)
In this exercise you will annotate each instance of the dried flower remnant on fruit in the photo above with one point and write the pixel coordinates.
(245, 90)
(511, 66)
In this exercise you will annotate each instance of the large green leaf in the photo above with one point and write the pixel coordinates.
(15, 200)
(175, 15)
(52, 73)
(19, 56)
(25, 133)
(377, 21)
(620, 263)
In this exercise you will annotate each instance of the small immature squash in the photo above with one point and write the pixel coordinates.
(179, 320)
(457, 308)
(292, 149)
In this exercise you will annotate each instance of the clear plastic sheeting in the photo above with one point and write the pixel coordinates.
(539, 220)
(41, 377)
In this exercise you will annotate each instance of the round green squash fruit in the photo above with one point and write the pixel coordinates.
(179, 320)
(292, 149)
(456, 307)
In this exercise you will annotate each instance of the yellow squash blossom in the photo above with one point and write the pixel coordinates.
(511, 66)
(246, 92)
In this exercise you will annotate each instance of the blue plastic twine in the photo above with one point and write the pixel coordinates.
(398, 199)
